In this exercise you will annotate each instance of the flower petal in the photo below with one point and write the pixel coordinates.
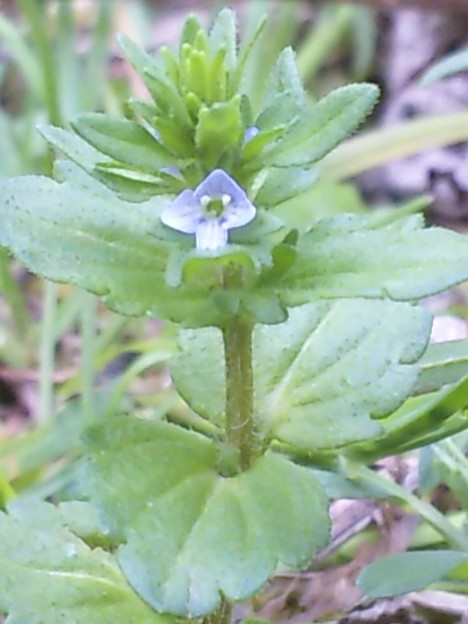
(240, 209)
(236, 215)
(184, 213)
(210, 235)
(219, 183)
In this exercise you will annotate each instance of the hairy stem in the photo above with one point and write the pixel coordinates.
(222, 615)
(237, 338)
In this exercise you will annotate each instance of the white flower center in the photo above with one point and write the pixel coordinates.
(214, 207)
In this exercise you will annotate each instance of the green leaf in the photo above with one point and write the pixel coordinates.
(152, 70)
(219, 126)
(191, 535)
(122, 140)
(447, 66)
(223, 34)
(321, 377)
(201, 351)
(141, 60)
(241, 78)
(75, 148)
(323, 126)
(47, 574)
(405, 572)
(418, 422)
(134, 444)
(190, 31)
(345, 256)
(282, 184)
(264, 308)
(196, 74)
(86, 236)
(324, 374)
(282, 109)
(443, 363)
(284, 78)
(324, 199)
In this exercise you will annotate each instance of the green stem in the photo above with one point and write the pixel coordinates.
(237, 338)
(432, 515)
(222, 615)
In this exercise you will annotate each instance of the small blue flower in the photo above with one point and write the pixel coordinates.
(217, 205)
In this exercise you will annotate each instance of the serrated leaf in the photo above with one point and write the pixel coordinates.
(406, 572)
(344, 256)
(285, 78)
(192, 535)
(321, 377)
(153, 457)
(325, 374)
(123, 140)
(227, 537)
(47, 574)
(325, 124)
(240, 78)
(223, 34)
(84, 235)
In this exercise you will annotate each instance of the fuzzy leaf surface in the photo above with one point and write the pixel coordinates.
(123, 140)
(331, 368)
(82, 234)
(190, 534)
(322, 126)
(346, 256)
(205, 392)
(47, 574)
(321, 377)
